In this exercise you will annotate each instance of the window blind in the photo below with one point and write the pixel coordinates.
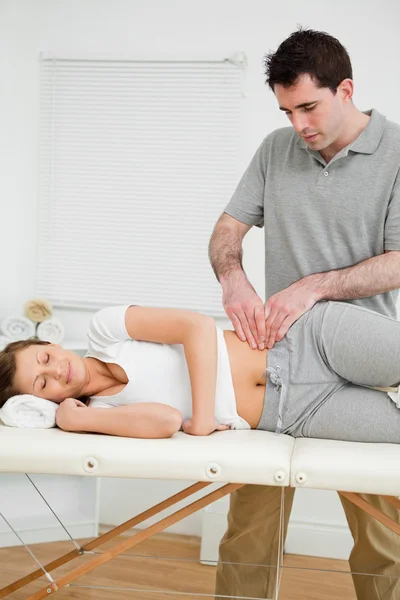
(137, 162)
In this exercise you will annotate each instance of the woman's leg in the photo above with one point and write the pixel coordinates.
(354, 414)
(360, 345)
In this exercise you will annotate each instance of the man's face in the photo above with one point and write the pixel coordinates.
(317, 114)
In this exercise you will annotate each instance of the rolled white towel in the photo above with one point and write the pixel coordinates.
(26, 410)
(4, 341)
(17, 328)
(51, 330)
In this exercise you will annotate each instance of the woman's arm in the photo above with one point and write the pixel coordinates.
(197, 334)
(146, 420)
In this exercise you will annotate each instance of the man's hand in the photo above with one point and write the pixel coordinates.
(246, 311)
(189, 427)
(285, 307)
(66, 411)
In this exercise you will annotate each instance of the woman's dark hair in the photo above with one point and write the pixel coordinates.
(8, 367)
(307, 51)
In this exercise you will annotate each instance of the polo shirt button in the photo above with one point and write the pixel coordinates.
(326, 173)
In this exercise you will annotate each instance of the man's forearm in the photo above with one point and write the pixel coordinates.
(373, 276)
(225, 252)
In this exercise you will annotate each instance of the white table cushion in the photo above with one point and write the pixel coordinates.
(257, 457)
(347, 466)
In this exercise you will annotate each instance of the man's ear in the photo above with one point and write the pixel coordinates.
(346, 89)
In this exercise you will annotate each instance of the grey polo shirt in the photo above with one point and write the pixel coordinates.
(317, 216)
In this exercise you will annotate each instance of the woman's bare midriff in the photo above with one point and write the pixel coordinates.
(247, 367)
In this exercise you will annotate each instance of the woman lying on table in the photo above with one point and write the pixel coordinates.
(149, 372)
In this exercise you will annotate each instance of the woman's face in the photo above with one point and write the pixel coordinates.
(50, 372)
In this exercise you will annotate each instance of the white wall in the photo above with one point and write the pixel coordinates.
(177, 29)
(74, 501)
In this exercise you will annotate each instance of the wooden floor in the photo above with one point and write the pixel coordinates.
(169, 574)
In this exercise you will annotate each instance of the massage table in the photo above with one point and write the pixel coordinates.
(232, 458)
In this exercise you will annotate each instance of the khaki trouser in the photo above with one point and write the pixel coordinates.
(253, 533)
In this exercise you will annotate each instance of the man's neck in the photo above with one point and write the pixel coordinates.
(356, 121)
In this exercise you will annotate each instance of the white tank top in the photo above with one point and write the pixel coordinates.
(156, 372)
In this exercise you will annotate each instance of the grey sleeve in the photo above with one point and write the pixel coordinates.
(392, 225)
(247, 202)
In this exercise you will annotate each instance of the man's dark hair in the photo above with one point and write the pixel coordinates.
(307, 51)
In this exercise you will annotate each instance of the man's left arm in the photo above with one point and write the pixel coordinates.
(370, 277)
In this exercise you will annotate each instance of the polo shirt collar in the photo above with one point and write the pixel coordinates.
(368, 140)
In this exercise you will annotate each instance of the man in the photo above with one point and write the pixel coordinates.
(327, 192)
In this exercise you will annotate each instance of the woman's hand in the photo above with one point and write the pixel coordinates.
(192, 429)
(65, 412)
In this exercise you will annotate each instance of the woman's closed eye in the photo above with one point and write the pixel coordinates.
(45, 360)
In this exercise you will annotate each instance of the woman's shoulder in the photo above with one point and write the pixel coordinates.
(106, 328)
